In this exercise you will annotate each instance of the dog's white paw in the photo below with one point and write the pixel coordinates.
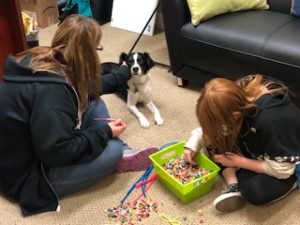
(144, 123)
(159, 121)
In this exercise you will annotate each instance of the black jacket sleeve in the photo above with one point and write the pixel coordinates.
(115, 80)
(54, 137)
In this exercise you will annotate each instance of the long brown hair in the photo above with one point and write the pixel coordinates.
(80, 36)
(223, 105)
(43, 58)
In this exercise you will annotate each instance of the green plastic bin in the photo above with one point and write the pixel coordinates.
(192, 190)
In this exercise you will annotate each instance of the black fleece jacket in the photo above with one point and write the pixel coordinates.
(273, 130)
(38, 117)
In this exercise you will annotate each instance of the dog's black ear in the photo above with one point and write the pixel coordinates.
(149, 61)
(123, 57)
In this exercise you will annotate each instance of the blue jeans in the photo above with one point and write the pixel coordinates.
(69, 179)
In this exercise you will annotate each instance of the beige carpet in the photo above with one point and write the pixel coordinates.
(177, 108)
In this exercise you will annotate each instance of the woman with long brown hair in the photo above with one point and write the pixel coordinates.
(251, 128)
(51, 141)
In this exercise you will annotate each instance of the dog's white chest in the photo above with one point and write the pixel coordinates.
(140, 88)
(139, 79)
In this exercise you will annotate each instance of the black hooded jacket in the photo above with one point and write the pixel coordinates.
(38, 118)
(273, 130)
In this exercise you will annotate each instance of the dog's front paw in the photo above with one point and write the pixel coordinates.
(159, 121)
(144, 123)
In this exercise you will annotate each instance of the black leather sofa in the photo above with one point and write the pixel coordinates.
(234, 44)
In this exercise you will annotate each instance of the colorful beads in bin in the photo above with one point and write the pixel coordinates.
(183, 171)
(185, 190)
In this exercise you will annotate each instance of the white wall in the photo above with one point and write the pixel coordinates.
(132, 15)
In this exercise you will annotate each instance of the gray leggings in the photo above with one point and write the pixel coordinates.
(70, 179)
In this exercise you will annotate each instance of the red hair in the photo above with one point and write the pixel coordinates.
(220, 100)
(223, 104)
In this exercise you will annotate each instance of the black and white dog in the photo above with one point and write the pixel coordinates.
(140, 87)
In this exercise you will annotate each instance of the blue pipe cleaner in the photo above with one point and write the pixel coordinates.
(142, 178)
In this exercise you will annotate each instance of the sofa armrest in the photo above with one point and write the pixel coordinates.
(175, 14)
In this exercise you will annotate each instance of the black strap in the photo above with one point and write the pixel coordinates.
(140, 35)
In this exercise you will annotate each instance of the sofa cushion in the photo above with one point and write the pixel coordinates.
(283, 45)
(240, 37)
(204, 9)
(280, 55)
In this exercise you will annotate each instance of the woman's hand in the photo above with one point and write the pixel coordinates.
(188, 155)
(117, 127)
(228, 159)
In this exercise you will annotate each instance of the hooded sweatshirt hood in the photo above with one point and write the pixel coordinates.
(20, 72)
(272, 129)
(273, 99)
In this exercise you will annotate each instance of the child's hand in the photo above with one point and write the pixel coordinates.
(117, 127)
(188, 155)
(228, 159)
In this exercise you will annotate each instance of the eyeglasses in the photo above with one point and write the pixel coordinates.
(100, 48)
